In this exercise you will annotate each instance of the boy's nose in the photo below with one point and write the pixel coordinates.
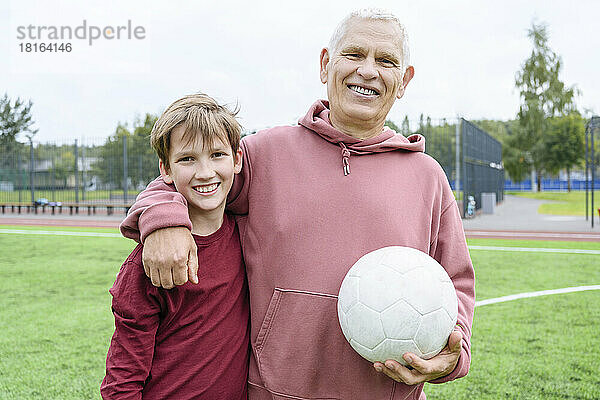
(204, 171)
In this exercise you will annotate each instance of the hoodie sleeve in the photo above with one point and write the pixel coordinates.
(158, 206)
(450, 250)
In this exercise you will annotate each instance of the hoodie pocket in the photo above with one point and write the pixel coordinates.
(301, 352)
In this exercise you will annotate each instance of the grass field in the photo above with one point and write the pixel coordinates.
(56, 319)
(563, 203)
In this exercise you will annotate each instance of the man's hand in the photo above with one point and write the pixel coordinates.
(424, 370)
(170, 257)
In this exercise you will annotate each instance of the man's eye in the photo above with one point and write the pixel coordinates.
(387, 62)
(352, 55)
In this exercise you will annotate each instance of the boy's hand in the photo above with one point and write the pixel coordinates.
(170, 257)
(424, 370)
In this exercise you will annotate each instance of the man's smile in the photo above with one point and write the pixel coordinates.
(366, 91)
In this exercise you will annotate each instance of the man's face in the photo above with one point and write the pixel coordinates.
(364, 74)
(202, 174)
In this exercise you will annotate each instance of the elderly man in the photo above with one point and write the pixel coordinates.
(311, 200)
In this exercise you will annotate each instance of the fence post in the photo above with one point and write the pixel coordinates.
(31, 166)
(587, 130)
(76, 173)
(83, 177)
(457, 158)
(125, 169)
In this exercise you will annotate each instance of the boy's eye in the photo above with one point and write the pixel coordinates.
(184, 159)
(219, 154)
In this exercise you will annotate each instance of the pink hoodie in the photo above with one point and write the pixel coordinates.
(314, 200)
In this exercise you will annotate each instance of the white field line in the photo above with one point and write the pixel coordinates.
(106, 234)
(477, 303)
(535, 249)
(60, 233)
(553, 235)
(535, 294)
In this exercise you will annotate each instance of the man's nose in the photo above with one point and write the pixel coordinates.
(367, 69)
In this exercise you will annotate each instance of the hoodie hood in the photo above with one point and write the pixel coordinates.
(317, 120)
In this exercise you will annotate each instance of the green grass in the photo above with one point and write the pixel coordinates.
(562, 203)
(56, 319)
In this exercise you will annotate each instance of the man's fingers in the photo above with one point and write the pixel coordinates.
(455, 342)
(166, 279)
(180, 275)
(400, 373)
(154, 276)
(192, 267)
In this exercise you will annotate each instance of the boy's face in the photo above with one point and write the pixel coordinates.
(202, 174)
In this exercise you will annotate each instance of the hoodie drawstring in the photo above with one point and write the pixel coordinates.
(345, 159)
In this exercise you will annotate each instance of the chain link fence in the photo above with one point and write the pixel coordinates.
(84, 172)
(111, 172)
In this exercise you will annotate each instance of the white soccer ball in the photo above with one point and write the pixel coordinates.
(396, 300)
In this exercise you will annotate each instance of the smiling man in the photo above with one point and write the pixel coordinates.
(311, 200)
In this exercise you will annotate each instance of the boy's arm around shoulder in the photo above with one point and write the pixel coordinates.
(136, 306)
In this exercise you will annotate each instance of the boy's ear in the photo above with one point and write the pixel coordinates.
(237, 161)
(164, 173)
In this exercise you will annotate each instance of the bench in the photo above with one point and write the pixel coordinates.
(73, 207)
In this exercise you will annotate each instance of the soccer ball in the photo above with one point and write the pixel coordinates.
(396, 300)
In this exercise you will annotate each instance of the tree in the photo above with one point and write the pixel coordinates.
(142, 162)
(543, 96)
(390, 124)
(405, 126)
(564, 144)
(14, 119)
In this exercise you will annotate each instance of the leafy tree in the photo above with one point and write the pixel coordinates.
(14, 119)
(564, 144)
(142, 162)
(390, 124)
(405, 130)
(543, 95)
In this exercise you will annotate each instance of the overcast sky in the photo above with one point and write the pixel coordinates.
(264, 56)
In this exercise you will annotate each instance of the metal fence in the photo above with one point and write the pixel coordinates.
(481, 163)
(113, 170)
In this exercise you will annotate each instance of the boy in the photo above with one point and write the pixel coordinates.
(190, 341)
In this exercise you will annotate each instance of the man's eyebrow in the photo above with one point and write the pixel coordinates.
(352, 48)
(390, 56)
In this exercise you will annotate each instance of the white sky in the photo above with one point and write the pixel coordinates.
(264, 55)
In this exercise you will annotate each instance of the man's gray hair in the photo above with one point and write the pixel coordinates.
(377, 14)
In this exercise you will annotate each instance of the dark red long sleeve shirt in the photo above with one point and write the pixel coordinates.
(190, 342)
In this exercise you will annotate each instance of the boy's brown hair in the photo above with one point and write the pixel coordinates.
(200, 114)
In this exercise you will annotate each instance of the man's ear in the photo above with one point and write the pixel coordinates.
(408, 75)
(164, 173)
(237, 161)
(324, 60)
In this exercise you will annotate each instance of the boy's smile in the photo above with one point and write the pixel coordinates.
(203, 174)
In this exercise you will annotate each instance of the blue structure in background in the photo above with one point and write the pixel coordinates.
(549, 185)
